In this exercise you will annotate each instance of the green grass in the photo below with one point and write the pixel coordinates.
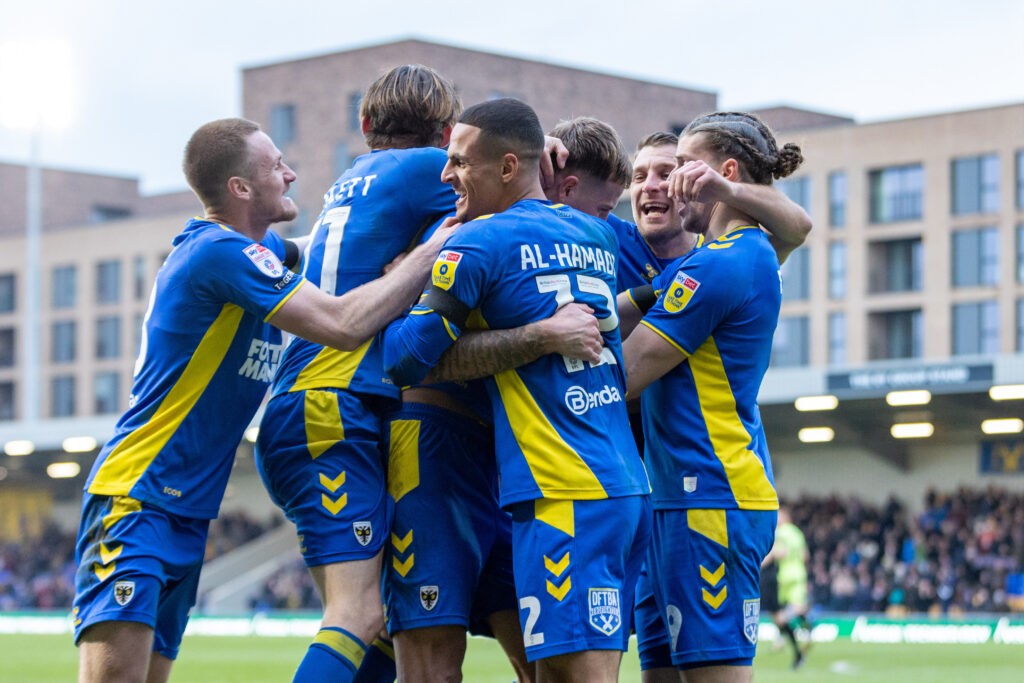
(42, 659)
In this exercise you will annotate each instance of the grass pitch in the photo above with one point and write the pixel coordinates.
(208, 659)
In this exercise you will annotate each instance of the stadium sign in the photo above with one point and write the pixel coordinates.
(948, 377)
(1002, 457)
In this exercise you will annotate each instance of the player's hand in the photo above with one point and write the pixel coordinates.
(573, 331)
(555, 155)
(443, 232)
(695, 181)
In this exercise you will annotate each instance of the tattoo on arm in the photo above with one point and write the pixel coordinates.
(484, 353)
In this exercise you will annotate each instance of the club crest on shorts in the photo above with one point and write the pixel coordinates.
(428, 597)
(363, 532)
(124, 591)
(751, 619)
(605, 609)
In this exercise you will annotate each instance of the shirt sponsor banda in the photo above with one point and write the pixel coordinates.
(679, 293)
(605, 609)
(265, 260)
(751, 618)
(579, 400)
(443, 273)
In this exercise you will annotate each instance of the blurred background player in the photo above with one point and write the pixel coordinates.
(787, 562)
(699, 358)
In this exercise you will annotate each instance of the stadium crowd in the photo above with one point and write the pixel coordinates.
(955, 556)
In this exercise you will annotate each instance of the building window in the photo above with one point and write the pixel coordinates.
(6, 401)
(108, 282)
(975, 185)
(837, 199)
(282, 124)
(107, 388)
(108, 337)
(896, 193)
(355, 122)
(64, 341)
(65, 285)
(790, 344)
(796, 276)
(1020, 325)
(976, 328)
(836, 338)
(99, 213)
(1020, 179)
(7, 347)
(62, 396)
(797, 189)
(140, 283)
(139, 323)
(895, 266)
(837, 270)
(895, 334)
(976, 257)
(1020, 253)
(342, 158)
(8, 293)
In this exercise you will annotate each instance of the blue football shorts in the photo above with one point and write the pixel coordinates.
(137, 563)
(320, 455)
(449, 562)
(705, 568)
(576, 567)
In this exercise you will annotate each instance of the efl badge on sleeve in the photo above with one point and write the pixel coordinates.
(363, 532)
(679, 293)
(124, 591)
(605, 609)
(265, 260)
(428, 597)
(443, 273)
(751, 619)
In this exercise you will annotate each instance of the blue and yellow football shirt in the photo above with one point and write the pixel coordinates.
(376, 210)
(561, 429)
(206, 360)
(705, 445)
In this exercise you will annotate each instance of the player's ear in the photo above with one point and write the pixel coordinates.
(446, 136)
(567, 187)
(730, 170)
(365, 126)
(509, 167)
(239, 187)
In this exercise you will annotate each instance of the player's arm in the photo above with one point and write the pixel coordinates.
(648, 356)
(632, 304)
(571, 331)
(786, 221)
(347, 321)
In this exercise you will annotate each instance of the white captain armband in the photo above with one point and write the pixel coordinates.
(444, 303)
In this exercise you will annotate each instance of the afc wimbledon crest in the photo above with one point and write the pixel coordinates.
(124, 591)
(751, 617)
(605, 609)
(363, 532)
(428, 597)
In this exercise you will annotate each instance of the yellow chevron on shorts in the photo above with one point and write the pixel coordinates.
(712, 577)
(334, 506)
(323, 421)
(401, 544)
(403, 567)
(107, 555)
(102, 572)
(332, 485)
(558, 592)
(710, 524)
(715, 601)
(404, 458)
(557, 568)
